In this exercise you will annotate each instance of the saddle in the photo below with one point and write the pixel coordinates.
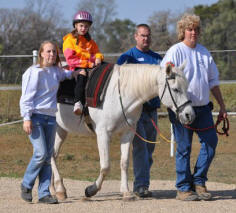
(95, 90)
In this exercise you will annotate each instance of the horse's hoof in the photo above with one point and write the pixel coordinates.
(128, 196)
(91, 190)
(61, 195)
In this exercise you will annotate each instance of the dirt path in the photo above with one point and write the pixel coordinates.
(109, 200)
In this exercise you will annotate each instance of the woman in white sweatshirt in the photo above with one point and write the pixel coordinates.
(38, 105)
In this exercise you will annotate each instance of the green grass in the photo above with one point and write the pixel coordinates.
(229, 96)
(9, 105)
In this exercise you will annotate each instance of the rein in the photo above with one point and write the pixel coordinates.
(225, 127)
(131, 127)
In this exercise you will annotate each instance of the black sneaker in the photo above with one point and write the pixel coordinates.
(26, 194)
(143, 192)
(49, 199)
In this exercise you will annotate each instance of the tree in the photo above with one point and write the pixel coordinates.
(163, 25)
(219, 33)
(119, 35)
(23, 30)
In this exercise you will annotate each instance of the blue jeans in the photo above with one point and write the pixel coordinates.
(183, 136)
(142, 151)
(42, 139)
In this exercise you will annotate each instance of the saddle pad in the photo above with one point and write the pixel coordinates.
(97, 84)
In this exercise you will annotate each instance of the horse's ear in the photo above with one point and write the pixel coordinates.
(168, 70)
(182, 66)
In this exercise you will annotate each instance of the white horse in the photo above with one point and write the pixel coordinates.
(135, 84)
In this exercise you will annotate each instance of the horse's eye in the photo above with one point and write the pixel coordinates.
(176, 90)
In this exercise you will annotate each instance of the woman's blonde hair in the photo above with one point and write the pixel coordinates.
(187, 21)
(40, 59)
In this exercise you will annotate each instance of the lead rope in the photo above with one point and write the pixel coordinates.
(225, 127)
(132, 129)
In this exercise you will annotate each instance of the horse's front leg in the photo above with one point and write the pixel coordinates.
(57, 187)
(103, 141)
(124, 165)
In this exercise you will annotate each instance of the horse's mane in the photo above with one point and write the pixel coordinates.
(141, 80)
(138, 79)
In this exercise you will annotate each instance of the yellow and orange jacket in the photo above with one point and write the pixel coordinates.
(81, 55)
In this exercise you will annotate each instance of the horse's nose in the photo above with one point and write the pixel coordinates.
(189, 117)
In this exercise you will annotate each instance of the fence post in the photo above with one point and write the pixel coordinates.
(172, 144)
(35, 55)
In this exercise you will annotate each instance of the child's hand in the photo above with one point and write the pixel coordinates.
(97, 61)
(78, 72)
(75, 74)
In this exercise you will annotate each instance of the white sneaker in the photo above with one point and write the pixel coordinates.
(78, 108)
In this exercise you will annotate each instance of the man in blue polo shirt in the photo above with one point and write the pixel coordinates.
(142, 151)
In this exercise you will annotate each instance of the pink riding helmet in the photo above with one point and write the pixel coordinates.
(82, 16)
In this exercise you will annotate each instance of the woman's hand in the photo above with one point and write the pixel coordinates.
(222, 113)
(27, 127)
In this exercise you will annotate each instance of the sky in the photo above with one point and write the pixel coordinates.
(137, 11)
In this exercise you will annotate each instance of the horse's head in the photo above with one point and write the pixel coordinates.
(173, 93)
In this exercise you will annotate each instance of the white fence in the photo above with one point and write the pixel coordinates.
(11, 70)
(35, 54)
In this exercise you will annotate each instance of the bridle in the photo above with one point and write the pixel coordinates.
(178, 108)
(225, 127)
